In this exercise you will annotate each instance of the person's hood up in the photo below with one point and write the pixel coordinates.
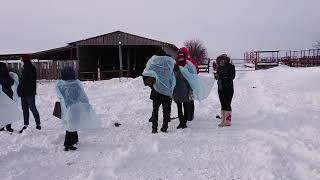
(183, 52)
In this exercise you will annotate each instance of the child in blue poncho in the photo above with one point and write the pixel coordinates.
(76, 111)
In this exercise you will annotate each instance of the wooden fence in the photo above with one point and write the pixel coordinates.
(48, 70)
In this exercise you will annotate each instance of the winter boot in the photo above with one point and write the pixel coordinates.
(70, 148)
(24, 128)
(9, 129)
(165, 130)
(2, 129)
(182, 126)
(154, 131)
(223, 119)
(228, 117)
(38, 127)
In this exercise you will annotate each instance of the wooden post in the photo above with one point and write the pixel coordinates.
(134, 62)
(39, 72)
(120, 60)
(78, 63)
(128, 62)
(99, 72)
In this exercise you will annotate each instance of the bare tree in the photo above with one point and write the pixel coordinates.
(316, 45)
(197, 50)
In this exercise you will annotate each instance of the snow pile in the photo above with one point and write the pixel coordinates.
(275, 134)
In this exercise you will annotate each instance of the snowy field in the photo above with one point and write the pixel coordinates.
(275, 135)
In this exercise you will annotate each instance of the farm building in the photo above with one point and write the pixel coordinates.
(116, 54)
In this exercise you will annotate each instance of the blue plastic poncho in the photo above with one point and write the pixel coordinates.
(14, 88)
(161, 68)
(200, 85)
(10, 110)
(77, 113)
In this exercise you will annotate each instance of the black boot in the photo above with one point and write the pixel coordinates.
(24, 128)
(38, 127)
(154, 131)
(2, 129)
(165, 130)
(70, 148)
(8, 127)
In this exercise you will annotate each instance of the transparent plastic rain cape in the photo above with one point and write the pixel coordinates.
(200, 85)
(77, 113)
(161, 68)
(10, 110)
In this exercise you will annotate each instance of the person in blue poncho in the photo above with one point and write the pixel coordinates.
(77, 113)
(6, 83)
(158, 75)
(183, 93)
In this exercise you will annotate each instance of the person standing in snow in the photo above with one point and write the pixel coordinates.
(76, 111)
(225, 75)
(183, 93)
(27, 90)
(6, 82)
(184, 52)
(158, 75)
(158, 100)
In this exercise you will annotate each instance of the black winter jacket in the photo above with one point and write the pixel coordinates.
(28, 81)
(226, 75)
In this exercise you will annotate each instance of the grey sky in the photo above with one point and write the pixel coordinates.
(225, 26)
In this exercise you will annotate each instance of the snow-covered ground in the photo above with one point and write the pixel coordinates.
(275, 135)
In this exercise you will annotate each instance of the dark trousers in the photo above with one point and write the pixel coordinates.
(225, 97)
(192, 110)
(185, 112)
(71, 138)
(166, 106)
(29, 103)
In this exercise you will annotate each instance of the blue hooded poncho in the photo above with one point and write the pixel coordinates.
(77, 113)
(200, 85)
(10, 109)
(161, 68)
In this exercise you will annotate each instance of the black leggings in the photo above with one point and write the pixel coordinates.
(225, 97)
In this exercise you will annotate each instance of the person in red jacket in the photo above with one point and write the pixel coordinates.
(184, 52)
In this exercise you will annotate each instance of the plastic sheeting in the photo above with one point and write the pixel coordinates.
(10, 111)
(200, 85)
(161, 68)
(14, 88)
(77, 113)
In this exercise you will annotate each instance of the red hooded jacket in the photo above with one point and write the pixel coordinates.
(185, 52)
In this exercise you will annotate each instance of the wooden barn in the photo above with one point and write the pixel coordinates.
(116, 54)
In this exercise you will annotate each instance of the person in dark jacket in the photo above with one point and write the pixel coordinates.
(6, 82)
(183, 95)
(27, 90)
(225, 75)
(158, 100)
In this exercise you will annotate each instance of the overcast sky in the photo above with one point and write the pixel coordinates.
(225, 26)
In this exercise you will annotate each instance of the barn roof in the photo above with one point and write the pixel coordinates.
(119, 37)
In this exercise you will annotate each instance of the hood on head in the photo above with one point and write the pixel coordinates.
(68, 73)
(183, 52)
(26, 58)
